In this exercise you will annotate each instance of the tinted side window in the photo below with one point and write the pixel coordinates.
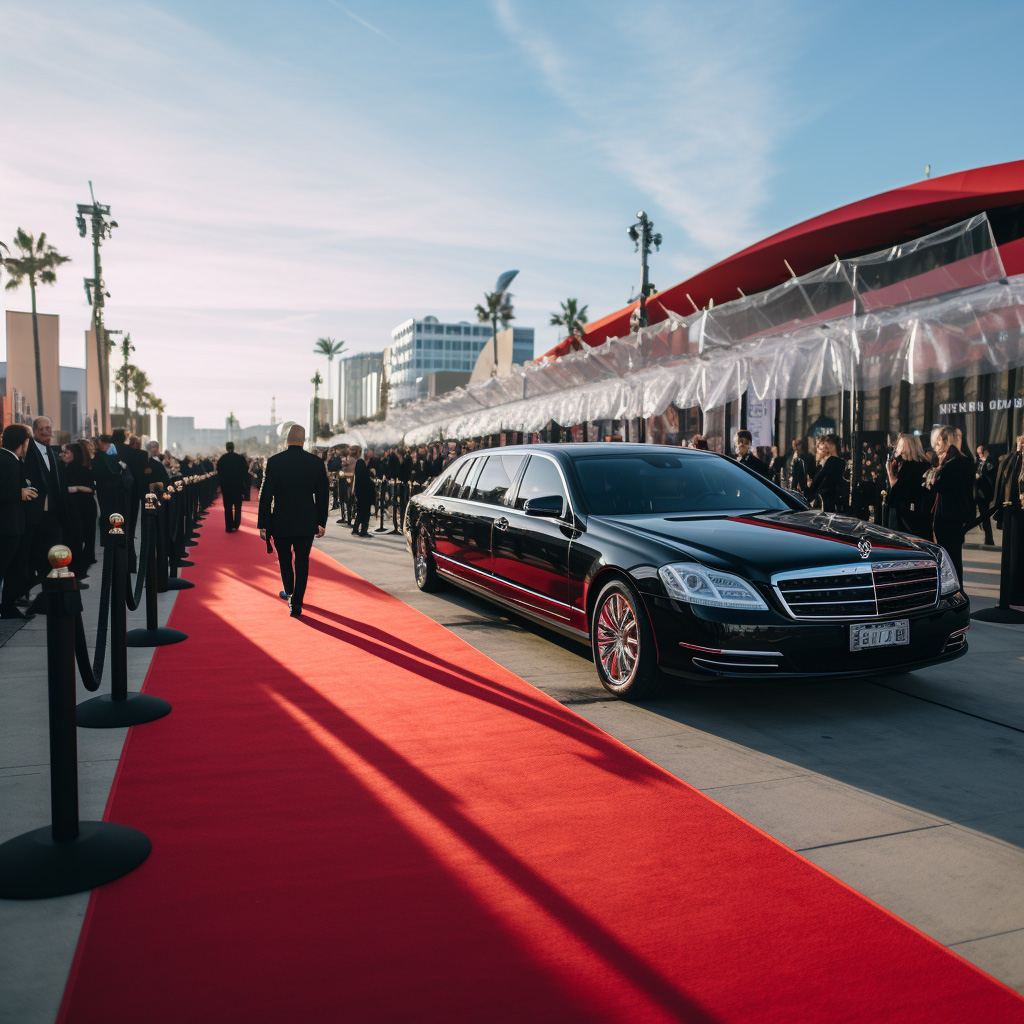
(465, 483)
(540, 480)
(452, 486)
(495, 478)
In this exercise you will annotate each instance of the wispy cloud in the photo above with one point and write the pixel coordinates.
(684, 100)
(362, 21)
(255, 214)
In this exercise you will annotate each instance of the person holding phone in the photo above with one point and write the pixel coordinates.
(15, 491)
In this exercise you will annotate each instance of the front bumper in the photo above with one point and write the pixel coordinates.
(708, 643)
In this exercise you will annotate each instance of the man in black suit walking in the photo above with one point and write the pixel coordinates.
(14, 498)
(46, 514)
(293, 509)
(233, 477)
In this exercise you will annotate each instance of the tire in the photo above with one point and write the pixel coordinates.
(623, 644)
(424, 566)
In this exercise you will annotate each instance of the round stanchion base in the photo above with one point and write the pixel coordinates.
(177, 583)
(106, 713)
(185, 564)
(162, 636)
(1006, 615)
(33, 866)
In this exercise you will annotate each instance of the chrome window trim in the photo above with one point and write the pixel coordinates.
(568, 519)
(854, 569)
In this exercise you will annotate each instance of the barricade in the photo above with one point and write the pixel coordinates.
(120, 707)
(174, 520)
(69, 855)
(153, 635)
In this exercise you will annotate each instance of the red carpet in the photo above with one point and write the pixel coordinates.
(358, 817)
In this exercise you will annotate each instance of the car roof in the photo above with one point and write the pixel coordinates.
(578, 449)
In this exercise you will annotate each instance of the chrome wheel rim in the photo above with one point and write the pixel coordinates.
(618, 640)
(421, 558)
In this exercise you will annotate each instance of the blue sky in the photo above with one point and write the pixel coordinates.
(282, 172)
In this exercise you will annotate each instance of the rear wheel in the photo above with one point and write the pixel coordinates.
(424, 565)
(623, 644)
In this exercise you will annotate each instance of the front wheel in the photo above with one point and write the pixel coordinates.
(425, 567)
(623, 644)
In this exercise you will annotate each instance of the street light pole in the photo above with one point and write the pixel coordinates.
(96, 292)
(643, 238)
(500, 287)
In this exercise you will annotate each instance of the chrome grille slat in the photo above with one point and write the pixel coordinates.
(858, 591)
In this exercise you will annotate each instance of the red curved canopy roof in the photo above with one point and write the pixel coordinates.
(865, 226)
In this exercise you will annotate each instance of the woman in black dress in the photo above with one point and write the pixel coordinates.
(952, 484)
(909, 503)
(77, 457)
(827, 484)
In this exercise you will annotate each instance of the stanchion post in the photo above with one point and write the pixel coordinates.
(173, 501)
(120, 708)
(69, 855)
(160, 544)
(153, 635)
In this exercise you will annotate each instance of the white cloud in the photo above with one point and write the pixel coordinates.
(683, 100)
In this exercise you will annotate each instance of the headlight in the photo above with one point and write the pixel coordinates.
(949, 582)
(696, 584)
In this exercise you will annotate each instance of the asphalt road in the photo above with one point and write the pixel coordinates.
(907, 787)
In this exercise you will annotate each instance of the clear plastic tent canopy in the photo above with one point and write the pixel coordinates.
(926, 310)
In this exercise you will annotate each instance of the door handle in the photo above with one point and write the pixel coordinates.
(501, 524)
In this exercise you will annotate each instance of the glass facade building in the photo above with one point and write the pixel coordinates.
(422, 347)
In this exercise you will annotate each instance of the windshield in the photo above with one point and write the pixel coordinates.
(641, 484)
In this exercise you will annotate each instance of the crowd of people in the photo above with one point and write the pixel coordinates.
(64, 494)
(57, 494)
(937, 492)
(365, 483)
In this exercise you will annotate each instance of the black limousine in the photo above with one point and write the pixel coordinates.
(679, 561)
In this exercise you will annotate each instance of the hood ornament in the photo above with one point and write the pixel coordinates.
(864, 547)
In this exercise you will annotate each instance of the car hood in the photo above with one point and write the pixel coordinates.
(756, 545)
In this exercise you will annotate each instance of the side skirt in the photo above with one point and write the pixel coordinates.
(541, 620)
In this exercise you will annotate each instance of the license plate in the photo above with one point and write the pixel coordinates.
(880, 634)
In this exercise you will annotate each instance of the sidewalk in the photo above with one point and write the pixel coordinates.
(38, 937)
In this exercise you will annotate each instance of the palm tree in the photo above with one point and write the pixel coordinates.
(497, 306)
(138, 384)
(157, 405)
(37, 264)
(330, 348)
(123, 386)
(572, 318)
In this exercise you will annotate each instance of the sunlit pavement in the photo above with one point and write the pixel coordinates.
(906, 787)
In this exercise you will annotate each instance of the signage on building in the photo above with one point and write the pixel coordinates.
(953, 408)
(760, 420)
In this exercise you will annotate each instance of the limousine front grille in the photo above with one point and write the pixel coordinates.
(859, 591)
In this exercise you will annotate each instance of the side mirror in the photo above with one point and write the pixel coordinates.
(551, 506)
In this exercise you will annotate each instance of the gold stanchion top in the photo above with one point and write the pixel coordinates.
(60, 558)
(116, 522)
(151, 500)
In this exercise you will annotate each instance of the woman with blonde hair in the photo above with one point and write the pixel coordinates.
(909, 503)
